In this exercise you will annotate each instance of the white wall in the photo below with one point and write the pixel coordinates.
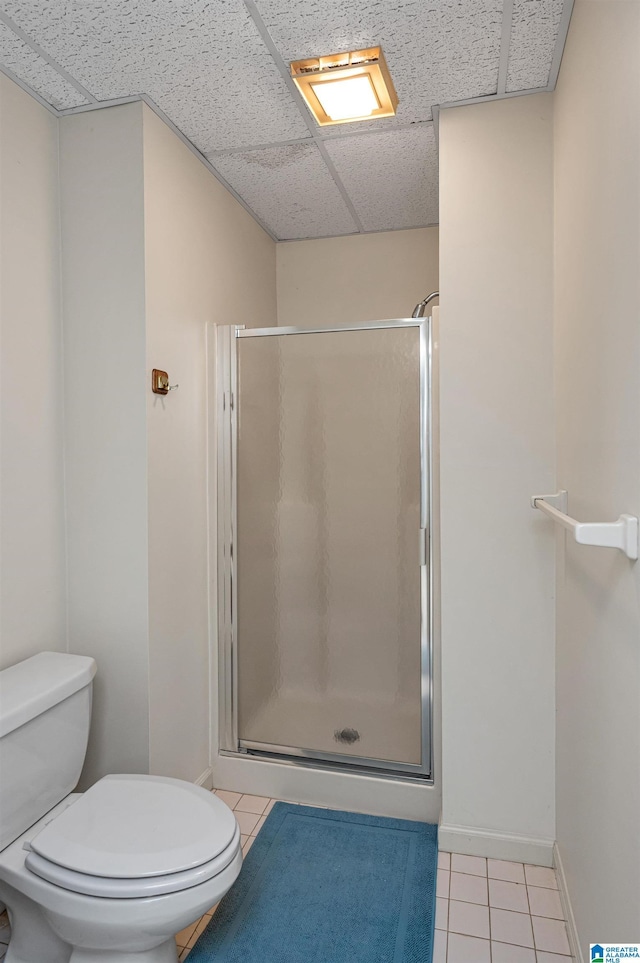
(597, 311)
(32, 555)
(206, 261)
(496, 451)
(365, 277)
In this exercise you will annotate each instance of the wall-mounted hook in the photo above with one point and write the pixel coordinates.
(160, 382)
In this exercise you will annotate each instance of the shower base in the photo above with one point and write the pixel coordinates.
(337, 728)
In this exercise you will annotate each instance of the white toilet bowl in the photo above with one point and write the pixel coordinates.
(162, 852)
(108, 876)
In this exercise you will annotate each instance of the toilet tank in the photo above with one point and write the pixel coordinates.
(45, 713)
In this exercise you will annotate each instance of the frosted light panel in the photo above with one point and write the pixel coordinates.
(328, 583)
(353, 97)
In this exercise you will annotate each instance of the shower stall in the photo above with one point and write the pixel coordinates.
(325, 569)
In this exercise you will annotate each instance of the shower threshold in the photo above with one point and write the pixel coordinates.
(310, 758)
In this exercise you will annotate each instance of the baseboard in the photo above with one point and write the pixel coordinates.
(486, 842)
(572, 930)
(205, 779)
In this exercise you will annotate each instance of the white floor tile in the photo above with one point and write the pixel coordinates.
(183, 937)
(550, 935)
(249, 843)
(259, 825)
(545, 902)
(442, 913)
(246, 821)
(444, 860)
(442, 885)
(440, 947)
(508, 953)
(552, 958)
(473, 865)
(200, 926)
(541, 876)
(252, 804)
(467, 949)
(270, 806)
(228, 797)
(508, 896)
(469, 889)
(503, 869)
(508, 927)
(470, 919)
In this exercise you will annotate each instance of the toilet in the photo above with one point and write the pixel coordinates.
(105, 876)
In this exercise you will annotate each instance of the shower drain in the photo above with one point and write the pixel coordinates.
(348, 736)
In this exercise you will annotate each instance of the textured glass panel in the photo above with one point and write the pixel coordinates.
(327, 544)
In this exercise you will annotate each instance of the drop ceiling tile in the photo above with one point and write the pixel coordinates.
(437, 52)
(34, 70)
(202, 61)
(391, 178)
(290, 189)
(534, 33)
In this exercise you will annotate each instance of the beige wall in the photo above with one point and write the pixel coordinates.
(155, 250)
(597, 311)
(102, 225)
(206, 260)
(368, 277)
(32, 556)
(496, 429)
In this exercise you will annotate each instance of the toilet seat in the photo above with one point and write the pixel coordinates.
(132, 836)
(108, 887)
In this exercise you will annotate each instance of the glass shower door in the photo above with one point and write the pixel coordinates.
(328, 645)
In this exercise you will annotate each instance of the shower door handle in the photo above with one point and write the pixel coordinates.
(424, 546)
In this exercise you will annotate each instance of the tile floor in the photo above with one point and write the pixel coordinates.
(488, 910)
(493, 911)
(251, 812)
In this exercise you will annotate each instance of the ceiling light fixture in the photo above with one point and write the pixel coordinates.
(344, 87)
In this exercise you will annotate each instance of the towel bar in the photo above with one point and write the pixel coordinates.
(622, 534)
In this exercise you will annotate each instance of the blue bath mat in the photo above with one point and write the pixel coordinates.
(319, 886)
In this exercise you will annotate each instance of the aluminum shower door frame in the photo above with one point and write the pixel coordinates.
(227, 429)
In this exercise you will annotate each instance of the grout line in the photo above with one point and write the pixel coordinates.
(8, 22)
(505, 44)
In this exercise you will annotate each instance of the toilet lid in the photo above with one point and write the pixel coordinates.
(131, 827)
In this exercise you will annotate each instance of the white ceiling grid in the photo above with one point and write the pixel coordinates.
(217, 69)
(391, 178)
(533, 39)
(314, 207)
(18, 57)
